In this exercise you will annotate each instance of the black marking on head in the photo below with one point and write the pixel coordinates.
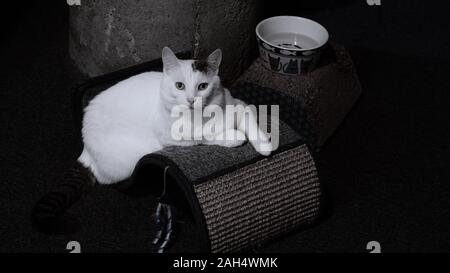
(201, 66)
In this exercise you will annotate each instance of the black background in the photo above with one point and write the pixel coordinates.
(386, 168)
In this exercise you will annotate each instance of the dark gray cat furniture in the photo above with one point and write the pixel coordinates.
(329, 92)
(237, 198)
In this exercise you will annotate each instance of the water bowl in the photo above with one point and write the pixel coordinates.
(291, 45)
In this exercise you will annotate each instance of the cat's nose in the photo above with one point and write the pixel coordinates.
(190, 100)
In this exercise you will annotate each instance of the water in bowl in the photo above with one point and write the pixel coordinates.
(292, 40)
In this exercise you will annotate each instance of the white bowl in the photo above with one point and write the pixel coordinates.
(289, 44)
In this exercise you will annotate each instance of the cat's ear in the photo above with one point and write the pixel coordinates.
(169, 59)
(214, 60)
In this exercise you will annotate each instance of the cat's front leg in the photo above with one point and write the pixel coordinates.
(247, 123)
(261, 143)
(228, 138)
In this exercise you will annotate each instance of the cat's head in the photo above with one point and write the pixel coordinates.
(185, 81)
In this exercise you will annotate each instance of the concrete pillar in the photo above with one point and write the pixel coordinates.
(106, 35)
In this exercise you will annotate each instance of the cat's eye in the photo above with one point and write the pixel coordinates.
(202, 86)
(179, 85)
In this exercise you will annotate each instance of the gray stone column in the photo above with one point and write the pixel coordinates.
(106, 35)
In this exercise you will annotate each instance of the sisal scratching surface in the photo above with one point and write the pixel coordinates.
(260, 201)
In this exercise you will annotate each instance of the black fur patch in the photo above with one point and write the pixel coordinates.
(201, 66)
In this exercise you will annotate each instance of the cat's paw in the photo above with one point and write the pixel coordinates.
(238, 140)
(265, 148)
(230, 139)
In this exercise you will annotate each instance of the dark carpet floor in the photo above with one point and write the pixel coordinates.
(386, 168)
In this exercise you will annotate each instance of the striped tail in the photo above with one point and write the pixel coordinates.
(49, 214)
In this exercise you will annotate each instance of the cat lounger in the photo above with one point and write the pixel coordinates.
(237, 198)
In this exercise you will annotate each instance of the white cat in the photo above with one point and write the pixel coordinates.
(133, 118)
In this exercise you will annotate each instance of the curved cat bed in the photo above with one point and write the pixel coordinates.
(237, 198)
